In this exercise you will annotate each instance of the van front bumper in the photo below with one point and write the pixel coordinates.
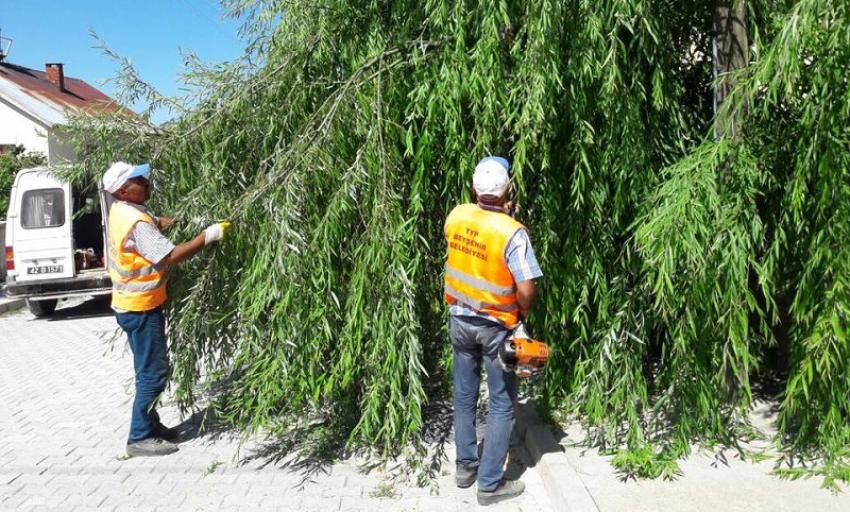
(91, 284)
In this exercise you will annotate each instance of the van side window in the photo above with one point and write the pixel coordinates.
(43, 208)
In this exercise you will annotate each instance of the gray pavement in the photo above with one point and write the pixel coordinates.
(65, 391)
(66, 386)
(717, 480)
(7, 304)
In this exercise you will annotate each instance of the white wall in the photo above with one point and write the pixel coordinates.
(16, 128)
(2, 245)
(58, 152)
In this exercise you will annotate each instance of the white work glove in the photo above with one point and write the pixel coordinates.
(216, 232)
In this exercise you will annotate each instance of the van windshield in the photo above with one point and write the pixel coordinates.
(43, 208)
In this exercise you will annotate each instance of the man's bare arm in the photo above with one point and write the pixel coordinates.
(525, 293)
(185, 250)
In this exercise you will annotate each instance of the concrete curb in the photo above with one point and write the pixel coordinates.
(564, 486)
(10, 305)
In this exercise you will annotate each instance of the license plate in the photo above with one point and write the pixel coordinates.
(46, 269)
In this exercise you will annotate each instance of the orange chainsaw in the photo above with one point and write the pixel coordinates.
(523, 355)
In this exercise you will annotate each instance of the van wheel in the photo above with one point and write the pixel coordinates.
(42, 308)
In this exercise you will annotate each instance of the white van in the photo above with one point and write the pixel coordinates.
(55, 241)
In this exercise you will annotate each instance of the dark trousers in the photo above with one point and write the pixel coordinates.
(146, 332)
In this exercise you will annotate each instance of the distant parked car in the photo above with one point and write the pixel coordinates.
(55, 241)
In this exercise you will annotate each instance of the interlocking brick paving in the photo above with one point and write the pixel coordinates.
(65, 387)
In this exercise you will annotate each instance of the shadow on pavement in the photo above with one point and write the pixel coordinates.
(529, 424)
(311, 449)
(91, 308)
(300, 451)
(287, 451)
(203, 423)
(437, 419)
(438, 433)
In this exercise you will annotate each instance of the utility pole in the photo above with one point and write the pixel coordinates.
(731, 53)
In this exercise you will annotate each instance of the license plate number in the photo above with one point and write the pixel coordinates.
(46, 269)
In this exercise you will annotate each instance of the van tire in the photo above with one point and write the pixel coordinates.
(42, 308)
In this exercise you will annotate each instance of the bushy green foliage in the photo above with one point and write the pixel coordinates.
(10, 163)
(676, 266)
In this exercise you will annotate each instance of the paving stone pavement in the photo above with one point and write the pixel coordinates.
(65, 390)
(710, 480)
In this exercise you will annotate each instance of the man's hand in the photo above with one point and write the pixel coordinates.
(216, 232)
(165, 222)
(188, 249)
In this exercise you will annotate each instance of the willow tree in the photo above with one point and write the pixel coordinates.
(674, 260)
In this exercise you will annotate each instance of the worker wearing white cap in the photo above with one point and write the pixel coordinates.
(139, 259)
(489, 285)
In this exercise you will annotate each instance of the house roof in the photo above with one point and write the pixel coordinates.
(30, 91)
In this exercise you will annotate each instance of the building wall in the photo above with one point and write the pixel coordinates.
(16, 128)
(59, 152)
(2, 247)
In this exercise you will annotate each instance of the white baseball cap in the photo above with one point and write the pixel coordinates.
(491, 176)
(120, 172)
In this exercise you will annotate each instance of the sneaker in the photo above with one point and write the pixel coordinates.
(161, 431)
(150, 447)
(507, 489)
(465, 477)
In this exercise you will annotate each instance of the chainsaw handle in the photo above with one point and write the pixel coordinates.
(520, 331)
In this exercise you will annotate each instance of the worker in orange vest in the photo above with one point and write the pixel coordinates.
(490, 287)
(139, 260)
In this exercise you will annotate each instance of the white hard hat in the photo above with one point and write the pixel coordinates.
(120, 172)
(491, 176)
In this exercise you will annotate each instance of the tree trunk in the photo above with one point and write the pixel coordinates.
(730, 54)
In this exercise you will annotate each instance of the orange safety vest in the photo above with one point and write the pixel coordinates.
(477, 272)
(137, 284)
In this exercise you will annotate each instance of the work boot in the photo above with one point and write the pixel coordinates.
(150, 447)
(465, 477)
(507, 489)
(161, 431)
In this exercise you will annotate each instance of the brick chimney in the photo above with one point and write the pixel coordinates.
(55, 74)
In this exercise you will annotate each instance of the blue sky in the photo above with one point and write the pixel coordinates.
(149, 32)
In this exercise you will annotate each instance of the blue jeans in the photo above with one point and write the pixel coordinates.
(475, 340)
(146, 331)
